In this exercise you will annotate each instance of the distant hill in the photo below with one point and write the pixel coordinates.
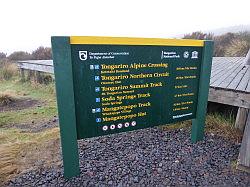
(221, 31)
(233, 29)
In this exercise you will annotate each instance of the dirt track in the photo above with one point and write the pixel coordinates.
(19, 104)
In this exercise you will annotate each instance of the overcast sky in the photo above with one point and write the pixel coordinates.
(28, 24)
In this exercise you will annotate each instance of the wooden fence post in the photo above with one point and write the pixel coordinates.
(244, 156)
(38, 77)
(30, 75)
(22, 75)
(241, 118)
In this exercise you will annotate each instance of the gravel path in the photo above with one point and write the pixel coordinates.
(149, 157)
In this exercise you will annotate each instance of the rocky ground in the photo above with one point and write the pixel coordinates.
(148, 157)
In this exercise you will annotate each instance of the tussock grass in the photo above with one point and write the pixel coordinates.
(21, 152)
(223, 126)
(8, 70)
(216, 123)
(8, 167)
(7, 97)
(179, 125)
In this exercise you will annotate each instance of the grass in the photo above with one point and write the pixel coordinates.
(21, 151)
(36, 91)
(6, 98)
(216, 123)
(223, 126)
(31, 115)
(12, 135)
(44, 93)
(8, 70)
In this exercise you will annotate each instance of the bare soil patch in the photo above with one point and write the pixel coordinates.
(19, 104)
(36, 127)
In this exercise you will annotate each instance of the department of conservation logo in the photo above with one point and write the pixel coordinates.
(83, 55)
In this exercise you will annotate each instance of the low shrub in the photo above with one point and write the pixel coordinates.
(6, 98)
(8, 70)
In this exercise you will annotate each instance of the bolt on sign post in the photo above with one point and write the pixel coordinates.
(108, 85)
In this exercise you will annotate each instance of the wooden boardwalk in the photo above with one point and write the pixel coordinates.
(230, 81)
(230, 73)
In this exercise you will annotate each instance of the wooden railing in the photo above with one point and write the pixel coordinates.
(34, 69)
(37, 65)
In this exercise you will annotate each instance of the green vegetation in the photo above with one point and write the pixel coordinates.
(8, 71)
(36, 91)
(229, 44)
(20, 150)
(216, 123)
(44, 93)
(41, 53)
(6, 98)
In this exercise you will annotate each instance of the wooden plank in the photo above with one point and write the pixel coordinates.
(41, 62)
(244, 81)
(221, 61)
(238, 78)
(244, 156)
(219, 71)
(217, 80)
(229, 97)
(37, 67)
(228, 62)
(219, 66)
(216, 62)
(241, 118)
(225, 83)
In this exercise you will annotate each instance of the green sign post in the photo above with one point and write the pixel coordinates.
(108, 85)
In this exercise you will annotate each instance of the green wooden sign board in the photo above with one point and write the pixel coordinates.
(108, 85)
